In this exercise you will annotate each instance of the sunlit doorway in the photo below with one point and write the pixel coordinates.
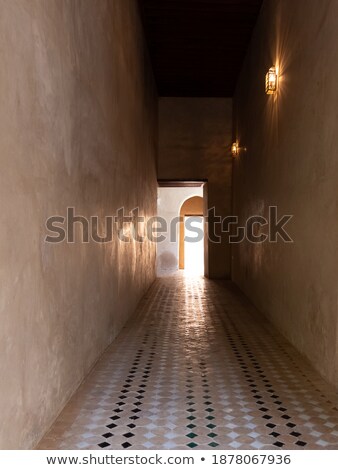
(193, 245)
(191, 253)
(176, 201)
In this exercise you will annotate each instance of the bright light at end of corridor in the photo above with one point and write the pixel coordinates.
(193, 246)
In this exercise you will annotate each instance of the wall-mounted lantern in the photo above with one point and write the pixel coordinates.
(271, 81)
(235, 149)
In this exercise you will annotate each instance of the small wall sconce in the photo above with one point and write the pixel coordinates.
(271, 80)
(235, 149)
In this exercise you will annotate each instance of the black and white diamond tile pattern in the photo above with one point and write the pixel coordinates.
(199, 368)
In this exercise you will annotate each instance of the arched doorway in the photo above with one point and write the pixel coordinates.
(192, 207)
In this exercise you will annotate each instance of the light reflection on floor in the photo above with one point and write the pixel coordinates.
(198, 368)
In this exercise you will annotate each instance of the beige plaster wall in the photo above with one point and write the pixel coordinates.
(291, 162)
(194, 143)
(78, 127)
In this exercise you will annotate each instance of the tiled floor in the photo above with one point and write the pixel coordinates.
(198, 368)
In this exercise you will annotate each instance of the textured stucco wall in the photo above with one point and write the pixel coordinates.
(194, 142)
(291, 162)
(169, 203)
(78, 123)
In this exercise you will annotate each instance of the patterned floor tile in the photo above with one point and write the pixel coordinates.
(198, 368)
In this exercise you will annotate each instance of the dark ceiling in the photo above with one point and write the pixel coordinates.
(197, 46)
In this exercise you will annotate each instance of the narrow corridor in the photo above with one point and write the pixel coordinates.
(197, 367)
